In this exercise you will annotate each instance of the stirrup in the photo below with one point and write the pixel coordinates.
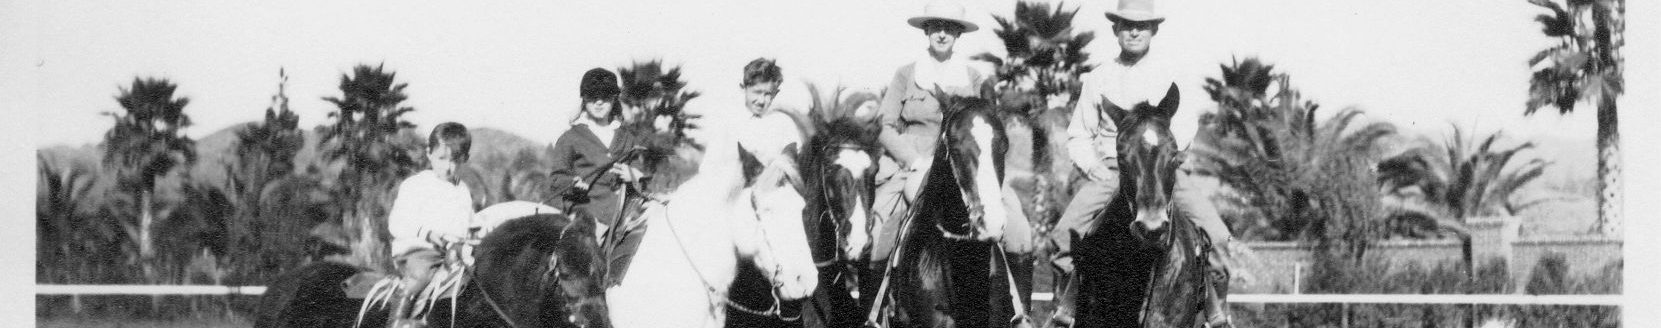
(1058, 319)
(1219, 320)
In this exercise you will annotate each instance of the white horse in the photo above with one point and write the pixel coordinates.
(695, 241)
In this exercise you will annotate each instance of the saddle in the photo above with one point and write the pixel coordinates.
(381, 289)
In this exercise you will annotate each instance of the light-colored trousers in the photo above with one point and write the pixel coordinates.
(1191, 199)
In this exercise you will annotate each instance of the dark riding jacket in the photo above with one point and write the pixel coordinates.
(577, 154)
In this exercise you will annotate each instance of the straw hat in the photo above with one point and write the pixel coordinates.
(946, 11)
(1135, 11)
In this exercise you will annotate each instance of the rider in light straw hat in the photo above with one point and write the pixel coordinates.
(1135, 75)
(910, 117)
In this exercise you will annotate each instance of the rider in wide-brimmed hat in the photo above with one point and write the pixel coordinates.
(1136, 75)
(910, 120)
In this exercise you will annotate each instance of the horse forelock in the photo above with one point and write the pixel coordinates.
(1147, 151)
(962, 141)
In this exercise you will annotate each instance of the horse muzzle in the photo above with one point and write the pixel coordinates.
(1151, 227)
(798, 287)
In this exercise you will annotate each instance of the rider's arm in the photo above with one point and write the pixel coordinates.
(889, 113)
(564, 175)
(1084, 128)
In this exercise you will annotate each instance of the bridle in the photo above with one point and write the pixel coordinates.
(825, 198)
(719, 296)
(976, 209)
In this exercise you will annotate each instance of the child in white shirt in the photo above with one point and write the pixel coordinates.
(432, 209)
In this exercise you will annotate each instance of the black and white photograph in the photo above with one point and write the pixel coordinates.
(862, 163)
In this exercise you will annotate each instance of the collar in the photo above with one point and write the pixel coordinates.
(953, 72)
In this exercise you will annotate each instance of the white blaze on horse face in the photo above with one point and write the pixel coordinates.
(994, 215)
(1150, 138)
(856, 162)
(858, 234)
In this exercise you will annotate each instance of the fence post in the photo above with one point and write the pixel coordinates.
(1344, 318)
(1297, 278)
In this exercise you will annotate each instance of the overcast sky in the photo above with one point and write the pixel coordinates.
(514, 65)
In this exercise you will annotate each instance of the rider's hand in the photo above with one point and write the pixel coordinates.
(580, 185)
(626, 172)
(1100, 172)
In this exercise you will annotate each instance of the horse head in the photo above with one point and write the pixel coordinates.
(841, 167)
(769, 226)
(1148, 160)
(972, 149)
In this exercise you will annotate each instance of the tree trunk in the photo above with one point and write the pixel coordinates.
(146, 248)
(146, 243)
(1610, 195)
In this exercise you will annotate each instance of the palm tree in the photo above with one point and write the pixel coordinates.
(59, 220)
(1586, 65)
(1440, 186)
(1291, 176)
(654, 98)
(265, 153)
(145, 144)
(373, 142)
(1044, 60)
(1044, 56)
(1437, 189)
(658, 92)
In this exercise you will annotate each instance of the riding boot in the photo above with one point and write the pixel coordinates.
(1066, 301)
(1216, 288)
(402, 305)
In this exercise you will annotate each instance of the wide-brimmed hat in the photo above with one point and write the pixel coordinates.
(599, 83)
(1135, 11)
(946, 11)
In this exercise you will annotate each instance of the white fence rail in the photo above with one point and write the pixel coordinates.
(1505, 299)
(147, 290)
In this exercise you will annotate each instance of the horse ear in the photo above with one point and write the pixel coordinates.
(1168, 106)
(750, 165)
(1113, 111)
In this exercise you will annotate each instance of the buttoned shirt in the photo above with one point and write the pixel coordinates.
(1091, 134)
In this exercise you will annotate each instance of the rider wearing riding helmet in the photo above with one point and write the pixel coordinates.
(587, 146)
(1135, 76)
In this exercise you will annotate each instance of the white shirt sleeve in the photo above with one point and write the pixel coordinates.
(1081, 130)
(404, 221)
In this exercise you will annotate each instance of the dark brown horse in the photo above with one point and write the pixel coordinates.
(839, 169)
(949, 270)
(1141, 267)
(517, 281)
